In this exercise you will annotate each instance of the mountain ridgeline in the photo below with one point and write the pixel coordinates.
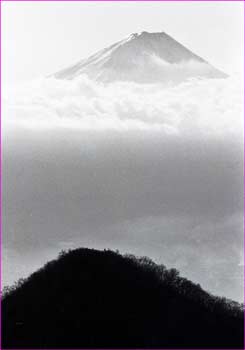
(100, 299)
(143, 58)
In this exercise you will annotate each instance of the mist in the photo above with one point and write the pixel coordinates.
(147, 169)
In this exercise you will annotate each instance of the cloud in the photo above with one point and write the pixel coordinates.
(203, 107)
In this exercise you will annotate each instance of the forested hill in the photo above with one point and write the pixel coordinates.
(100, 299)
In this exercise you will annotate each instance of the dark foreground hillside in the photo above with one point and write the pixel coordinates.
(101, 299)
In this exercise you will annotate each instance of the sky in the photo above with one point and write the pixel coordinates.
(40, 38)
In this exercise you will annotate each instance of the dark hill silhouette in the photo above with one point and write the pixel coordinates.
(101, 299)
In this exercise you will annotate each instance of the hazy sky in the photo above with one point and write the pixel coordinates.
(39, 38)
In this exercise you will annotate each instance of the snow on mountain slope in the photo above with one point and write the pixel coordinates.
(143, 58)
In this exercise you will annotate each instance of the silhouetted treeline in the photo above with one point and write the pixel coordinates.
(101, 299)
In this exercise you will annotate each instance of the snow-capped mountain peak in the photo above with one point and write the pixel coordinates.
(144, 58)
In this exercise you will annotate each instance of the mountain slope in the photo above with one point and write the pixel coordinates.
(143, 58)
(101, 299)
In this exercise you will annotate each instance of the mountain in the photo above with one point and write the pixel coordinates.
(100, 299)
(143, 58)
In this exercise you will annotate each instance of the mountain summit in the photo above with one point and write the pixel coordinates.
(143, 58)
(103, 300)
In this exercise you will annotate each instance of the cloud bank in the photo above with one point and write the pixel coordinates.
(211, 107)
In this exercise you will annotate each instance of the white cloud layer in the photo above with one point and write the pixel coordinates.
(212, 107)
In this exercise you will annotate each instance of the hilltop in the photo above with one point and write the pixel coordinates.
(100, 299)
